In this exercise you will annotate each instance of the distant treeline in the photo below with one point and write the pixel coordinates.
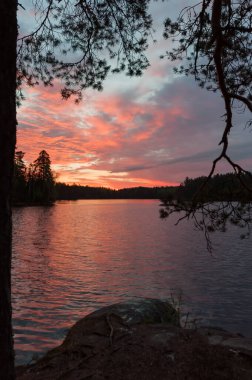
(221, 187)
(35, 184)
(71, 192)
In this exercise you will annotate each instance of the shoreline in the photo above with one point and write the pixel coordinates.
(143, 339)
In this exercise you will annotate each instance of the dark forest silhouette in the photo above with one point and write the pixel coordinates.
(221, 187)
(35, 184)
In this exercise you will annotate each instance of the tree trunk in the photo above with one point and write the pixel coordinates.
(8, 36)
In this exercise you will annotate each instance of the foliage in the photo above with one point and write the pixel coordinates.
(224, 201)
(42, 178)
(80, 41)
(210, 30)
(35, 183)
(220, 187)
(214, 38)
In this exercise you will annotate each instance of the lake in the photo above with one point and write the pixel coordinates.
(77, 256)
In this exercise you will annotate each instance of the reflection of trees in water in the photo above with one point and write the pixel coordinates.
(37, 288)
(31, 251)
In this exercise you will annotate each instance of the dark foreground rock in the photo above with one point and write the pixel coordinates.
(142, 340)
(140, 310)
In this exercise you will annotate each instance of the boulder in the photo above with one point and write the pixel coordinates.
(141, 310)
(141, 339)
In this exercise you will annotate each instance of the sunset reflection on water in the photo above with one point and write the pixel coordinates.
(74, 257)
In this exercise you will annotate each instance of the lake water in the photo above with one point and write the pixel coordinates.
(75, 257)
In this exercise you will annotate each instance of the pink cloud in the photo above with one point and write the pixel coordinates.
(153, 135)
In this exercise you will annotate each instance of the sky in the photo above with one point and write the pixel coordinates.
(154, 130)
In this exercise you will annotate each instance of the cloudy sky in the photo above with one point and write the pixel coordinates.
(149, 131)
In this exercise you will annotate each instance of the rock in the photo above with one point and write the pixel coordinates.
(236, 342)
(141, 339)
(120, 317)
(141, 310)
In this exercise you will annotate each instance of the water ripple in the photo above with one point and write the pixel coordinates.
(78, 256)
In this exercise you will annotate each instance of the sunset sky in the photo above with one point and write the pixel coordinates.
(149, 131)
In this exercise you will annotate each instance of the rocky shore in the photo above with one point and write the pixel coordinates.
(142, 339)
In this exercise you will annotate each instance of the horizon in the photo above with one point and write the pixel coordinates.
(113, 189)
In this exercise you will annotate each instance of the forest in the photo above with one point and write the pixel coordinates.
(221, 187)
(35, 184)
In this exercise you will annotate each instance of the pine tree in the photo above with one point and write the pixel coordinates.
(41, 181)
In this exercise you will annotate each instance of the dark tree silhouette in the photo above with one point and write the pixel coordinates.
(64, 191)
(88, 35)
(80, 41)
(35, 183)
(8, 33)
(42, 178)
(214, 37)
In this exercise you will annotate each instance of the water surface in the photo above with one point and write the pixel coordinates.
(75, 257)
